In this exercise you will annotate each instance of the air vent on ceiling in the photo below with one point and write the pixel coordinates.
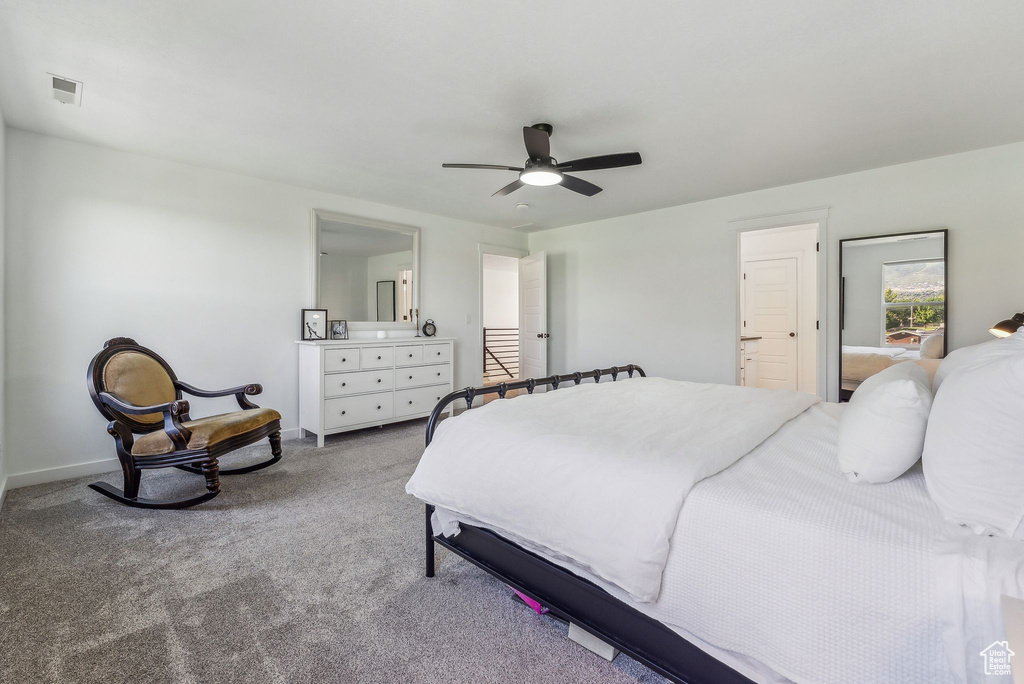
(66, 91)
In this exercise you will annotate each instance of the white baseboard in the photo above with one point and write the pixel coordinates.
(67, 472)
(3, 492)
(80, 469)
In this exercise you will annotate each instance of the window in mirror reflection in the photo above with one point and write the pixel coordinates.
(913, 301)
(366, 274)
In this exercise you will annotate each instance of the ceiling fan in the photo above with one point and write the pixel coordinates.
(542, 169)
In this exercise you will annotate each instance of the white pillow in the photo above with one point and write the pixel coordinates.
(881, 432)
(978, 354)
(931, 348)
(974, 449)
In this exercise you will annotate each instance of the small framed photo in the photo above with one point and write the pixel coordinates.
(314, 324)
(339, 330)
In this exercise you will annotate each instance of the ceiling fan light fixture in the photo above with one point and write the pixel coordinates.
(540, 177)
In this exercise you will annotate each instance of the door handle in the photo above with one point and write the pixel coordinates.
(792, 334)
(543, 335)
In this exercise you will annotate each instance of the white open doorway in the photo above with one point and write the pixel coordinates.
(499, 313)
(780, 297)
(500, 319)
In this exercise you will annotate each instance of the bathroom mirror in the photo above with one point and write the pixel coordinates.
(892, 304)
(364, 271)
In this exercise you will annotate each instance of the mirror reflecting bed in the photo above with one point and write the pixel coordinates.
(366, 273)
(892, 304)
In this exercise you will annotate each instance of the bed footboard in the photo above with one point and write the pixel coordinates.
(501, 389)
(554, 382)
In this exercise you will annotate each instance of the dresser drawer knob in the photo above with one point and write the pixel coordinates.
(438, 375)
(410, 356)
(410, 402)
(378, 407)
(343, 360)
(343, 384)
(438, 353)
(378, 380)
(342, 413)
(410, 377)
(378, 358)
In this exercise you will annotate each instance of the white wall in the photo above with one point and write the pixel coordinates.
(797, 242)
(3, 295)
(500, 291)
(209, 268)
(606, 280)
(385, 267)
(343, 287)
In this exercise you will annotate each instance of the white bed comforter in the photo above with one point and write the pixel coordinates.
(614, 486)
(786, 571)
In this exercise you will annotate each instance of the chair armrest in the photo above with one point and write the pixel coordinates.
(178, 407)
(238, 392)
(178, 433)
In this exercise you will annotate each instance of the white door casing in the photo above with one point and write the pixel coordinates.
(770, 310)
(533, 316)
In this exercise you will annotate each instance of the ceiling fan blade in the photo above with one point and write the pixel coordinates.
(482, 166)
(604, 161)
(538, 143)
(511, 187)
(579, 185)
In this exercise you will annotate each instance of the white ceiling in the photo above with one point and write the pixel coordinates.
(367, 99)
(345, 238)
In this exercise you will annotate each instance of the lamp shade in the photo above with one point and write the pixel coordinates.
(1007, 327)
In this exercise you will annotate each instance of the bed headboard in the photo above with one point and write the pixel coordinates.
(530, 384)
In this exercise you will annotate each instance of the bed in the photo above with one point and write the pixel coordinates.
(860, 363)
(778, 568)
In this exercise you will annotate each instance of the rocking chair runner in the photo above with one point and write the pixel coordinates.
(139, 394)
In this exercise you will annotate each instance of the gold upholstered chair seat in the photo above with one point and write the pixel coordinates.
(140, 395)
(207, 432)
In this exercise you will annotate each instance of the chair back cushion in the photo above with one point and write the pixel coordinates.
(138, 379)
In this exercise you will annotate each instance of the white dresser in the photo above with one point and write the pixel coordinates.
(352, 384)
(749, 361)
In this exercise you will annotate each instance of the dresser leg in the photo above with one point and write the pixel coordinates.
(320, 440)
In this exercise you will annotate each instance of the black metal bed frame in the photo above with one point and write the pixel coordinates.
(567, 596)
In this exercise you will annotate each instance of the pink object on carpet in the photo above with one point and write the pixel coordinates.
(537, 608)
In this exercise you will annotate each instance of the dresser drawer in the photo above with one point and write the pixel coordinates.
(377, 357)
(367, 408)
(436, 353)
(422, 375)
(340, 384)
(410, 402)
(411, 355)
(340, 360)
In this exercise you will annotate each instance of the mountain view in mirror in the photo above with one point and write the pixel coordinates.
(892, 304)
(366, 273)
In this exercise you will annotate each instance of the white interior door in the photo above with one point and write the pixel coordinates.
(770, 310)
(533, 316)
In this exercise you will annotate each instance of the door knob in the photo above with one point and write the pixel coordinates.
(543, 335)
(792, 334)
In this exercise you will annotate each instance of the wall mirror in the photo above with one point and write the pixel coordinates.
(365, 272)
(892, 304)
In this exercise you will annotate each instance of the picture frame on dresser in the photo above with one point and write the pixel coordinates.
(339, 330)
(361, 383)
(314, 324)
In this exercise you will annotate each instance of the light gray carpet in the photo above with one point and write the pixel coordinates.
(308, 571)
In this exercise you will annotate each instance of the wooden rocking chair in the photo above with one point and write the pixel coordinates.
(139, 394)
